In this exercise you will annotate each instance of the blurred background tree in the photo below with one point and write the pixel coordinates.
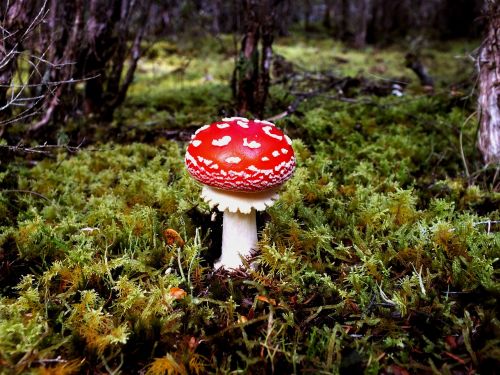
(251, 76)
(48, 47)
(488, 66)
(62, 59)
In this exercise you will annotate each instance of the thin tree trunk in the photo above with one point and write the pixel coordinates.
(488, 63)
(251, 76)
(307, 15)
(108, 58)
(327, 21)
(122, 89)
(265, 69)
(246, 71)
(99, 45)
(355, 19)
(68, 67)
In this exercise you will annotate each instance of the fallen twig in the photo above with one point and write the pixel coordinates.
(45, 148)
(25, 192)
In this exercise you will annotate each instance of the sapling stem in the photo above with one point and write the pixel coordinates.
(239, 238)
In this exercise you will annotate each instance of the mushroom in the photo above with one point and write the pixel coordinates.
(241, 163)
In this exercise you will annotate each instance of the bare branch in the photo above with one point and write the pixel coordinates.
(54, 83)
(24, 115)
(37, 20)
(45, 149)
(25, 192)
(52, 64)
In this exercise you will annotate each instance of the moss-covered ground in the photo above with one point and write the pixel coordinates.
(381, 255)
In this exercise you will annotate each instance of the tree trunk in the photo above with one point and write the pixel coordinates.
(488, 63)
(327, 18)
(307, 15)
(251, 75)
(355, 18)
(90, 40)
(108, 48)
(66, 62)
(246, 71)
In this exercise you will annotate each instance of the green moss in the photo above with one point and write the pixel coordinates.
(380, 252)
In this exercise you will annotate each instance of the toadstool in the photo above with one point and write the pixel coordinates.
(241, 163)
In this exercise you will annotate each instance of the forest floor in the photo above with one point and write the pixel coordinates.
(381, 255)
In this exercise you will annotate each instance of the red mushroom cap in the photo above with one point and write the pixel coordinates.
(238, 154)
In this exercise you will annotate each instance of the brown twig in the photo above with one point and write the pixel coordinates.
(44, 149)
(25, 192)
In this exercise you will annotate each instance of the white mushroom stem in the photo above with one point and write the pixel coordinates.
(239, 238)
(239, 230)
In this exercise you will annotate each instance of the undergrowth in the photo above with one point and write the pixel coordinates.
(381, 255)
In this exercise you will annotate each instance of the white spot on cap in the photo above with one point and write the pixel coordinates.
(223, 172)
(224, 141)
(207, 162)
(288, 140)
(243, 124)
(200, 159)
(204, 127)
(253, 168)
(276, 154)
(196, 143)
(223, 126)
(279, 166)
(252, 144)
(267, 130)
(284, 151)
(190, 158)
(235, 118)
(214, 166)
(233, 160)
(264, 158)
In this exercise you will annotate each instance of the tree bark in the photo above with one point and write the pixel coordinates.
(251, 76)
(90, 41)
(307, 15)
(66, 64)
(246, 70)
(488, 63)
(327, 18)
(355, 19)
(107, 51)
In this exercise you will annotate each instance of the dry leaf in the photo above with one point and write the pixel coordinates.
(171, 237)
(177, 293)
(271, 301)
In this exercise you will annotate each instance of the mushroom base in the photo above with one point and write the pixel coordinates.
(239, 238)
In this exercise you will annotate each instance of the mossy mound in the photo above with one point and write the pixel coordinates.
(381, 255)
